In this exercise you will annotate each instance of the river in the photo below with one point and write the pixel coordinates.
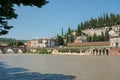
(58, 67)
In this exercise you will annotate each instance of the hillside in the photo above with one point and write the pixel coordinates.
(95, 29)
(11, 42)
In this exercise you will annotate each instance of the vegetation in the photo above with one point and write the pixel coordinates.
(44, 51)
(67, 38)
(67, 50)
(96, 38)
(63, 50)
(106, 20)
(12, 42)
(60, 40)
(7, 11)
(102, 21)
(75, 50)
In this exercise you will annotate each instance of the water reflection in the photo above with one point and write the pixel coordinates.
(9, 73)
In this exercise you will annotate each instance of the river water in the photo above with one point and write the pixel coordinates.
(58, 67)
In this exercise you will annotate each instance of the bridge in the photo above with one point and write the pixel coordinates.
(11, 50)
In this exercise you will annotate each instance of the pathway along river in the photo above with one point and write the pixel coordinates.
(58, 67)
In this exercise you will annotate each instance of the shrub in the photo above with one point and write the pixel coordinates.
(44, 51)
(63, 50)
(75, 50)
(66, 50)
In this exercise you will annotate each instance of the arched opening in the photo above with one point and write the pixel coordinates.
(103, 51)
(20, 51)
(10, 51)
(97, 53)
(107, 52)
(94, 52)
(1, 52)
(100, 52)
(116, 44)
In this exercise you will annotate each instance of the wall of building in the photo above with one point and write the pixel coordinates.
(115, 42)
(98, 31)
(40, 43)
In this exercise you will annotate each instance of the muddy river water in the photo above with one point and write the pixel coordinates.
(58, 67)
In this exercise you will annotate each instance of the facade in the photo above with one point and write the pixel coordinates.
(98, 31)
(3, 44)
(41, 43)
(114, 38)
(80, 39)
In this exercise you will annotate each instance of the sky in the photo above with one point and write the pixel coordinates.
(47, 22)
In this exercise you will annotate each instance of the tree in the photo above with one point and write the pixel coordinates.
(71, 38)
(102, 36)
(60, 40)
(69, 31)
(62, 33)
(89, 38)
(7, 11)
(79, 30)
(95, 37)
(106, 35)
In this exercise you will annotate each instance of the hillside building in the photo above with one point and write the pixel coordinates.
(114, 38)
(98, 31)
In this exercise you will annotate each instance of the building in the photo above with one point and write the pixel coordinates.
(3, 44)
(41, 43)
(98, 31)
(114, 38)
(80, 39)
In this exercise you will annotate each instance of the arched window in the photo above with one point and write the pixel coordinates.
(116, 44)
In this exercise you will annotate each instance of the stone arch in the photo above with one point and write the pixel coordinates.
(103, 51)
(19, 51)
(93, 52)
(97, 53)
(107, 52)
(100, 52)
(9, 51)
(1, 51)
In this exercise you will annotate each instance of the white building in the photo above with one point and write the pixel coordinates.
(41, 43)
(114, 38)
(80, 39)
(98, 31)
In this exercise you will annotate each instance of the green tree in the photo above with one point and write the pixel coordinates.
(106, 35)
(102, 36)
(72, 38)
(79, 30)
(101, 21)
(60, 40)
(62, 33)
(7, 11)
(69, 31)
(89, 39)
(94, 38)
